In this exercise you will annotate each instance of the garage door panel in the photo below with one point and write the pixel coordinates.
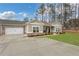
(13, 30)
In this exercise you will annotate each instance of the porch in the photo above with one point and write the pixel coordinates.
(48, 29)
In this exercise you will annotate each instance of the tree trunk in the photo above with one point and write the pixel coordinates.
(42, 17)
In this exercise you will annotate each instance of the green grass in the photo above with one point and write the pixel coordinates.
(72, 38)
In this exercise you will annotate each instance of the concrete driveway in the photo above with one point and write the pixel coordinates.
(18, 45)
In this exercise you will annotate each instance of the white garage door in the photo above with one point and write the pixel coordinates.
(13, 30)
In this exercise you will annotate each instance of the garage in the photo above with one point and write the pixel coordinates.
(15, 30)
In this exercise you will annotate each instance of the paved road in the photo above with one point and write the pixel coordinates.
(35, 46)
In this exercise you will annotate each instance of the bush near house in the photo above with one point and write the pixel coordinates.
(72, 38)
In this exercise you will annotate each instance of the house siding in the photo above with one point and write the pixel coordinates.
(29, 28)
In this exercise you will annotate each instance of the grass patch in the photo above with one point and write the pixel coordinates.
(72, 38)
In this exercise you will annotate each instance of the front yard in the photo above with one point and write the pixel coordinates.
(72, 38)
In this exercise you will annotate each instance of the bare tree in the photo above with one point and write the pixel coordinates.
(51, 13)
(41, 10)
(67, 13)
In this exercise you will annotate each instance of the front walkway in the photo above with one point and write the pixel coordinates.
(35, 46)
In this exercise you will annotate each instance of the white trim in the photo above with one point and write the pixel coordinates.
(35, 26)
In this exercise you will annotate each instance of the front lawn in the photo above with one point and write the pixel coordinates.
(72, 38)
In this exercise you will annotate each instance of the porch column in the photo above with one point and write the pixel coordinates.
(24, 30)
(50, 29)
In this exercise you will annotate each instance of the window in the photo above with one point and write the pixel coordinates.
(35, 29)
(44, 29)
(52, 29)
(57, 29)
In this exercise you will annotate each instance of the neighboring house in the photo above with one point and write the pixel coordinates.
(34, 27)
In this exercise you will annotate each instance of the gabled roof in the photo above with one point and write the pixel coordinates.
(40, 22)
(47, 24)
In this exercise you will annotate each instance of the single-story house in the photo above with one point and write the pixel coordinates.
(34, 27)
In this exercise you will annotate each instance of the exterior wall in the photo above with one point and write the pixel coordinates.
(29, 28)
(57, 27)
